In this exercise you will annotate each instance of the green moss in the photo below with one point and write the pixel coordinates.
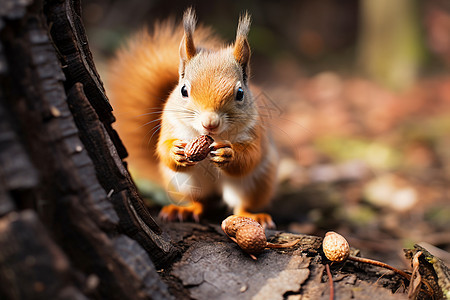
(375, 154)
(439, 216)
(152, 192)
(359, 215)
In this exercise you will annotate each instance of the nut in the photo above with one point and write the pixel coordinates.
(198, 148)
(335, 247)
(231, 224)
(251, 238)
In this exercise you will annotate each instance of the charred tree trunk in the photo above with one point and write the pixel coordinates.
(72, 223)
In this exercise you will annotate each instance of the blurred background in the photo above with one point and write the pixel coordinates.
(357, 94)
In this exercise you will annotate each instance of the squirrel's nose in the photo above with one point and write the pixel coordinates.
(210, 125)
(210, 120)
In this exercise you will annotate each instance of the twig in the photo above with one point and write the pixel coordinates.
(380, 264)
(330, 281)
(384, 265)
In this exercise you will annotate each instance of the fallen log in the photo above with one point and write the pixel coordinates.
(214, 267)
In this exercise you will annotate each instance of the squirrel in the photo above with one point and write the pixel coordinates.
(186, 87)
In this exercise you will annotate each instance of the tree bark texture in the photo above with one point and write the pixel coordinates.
(72, 222)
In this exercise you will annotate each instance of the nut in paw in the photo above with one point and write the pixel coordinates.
(199, 148)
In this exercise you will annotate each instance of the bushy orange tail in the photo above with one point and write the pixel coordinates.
(140, 78)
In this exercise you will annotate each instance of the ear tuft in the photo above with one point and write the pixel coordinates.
(187, 47)
(189, 20)
(244, 25)
(241, 50)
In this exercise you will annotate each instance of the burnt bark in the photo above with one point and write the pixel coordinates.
(72, 223)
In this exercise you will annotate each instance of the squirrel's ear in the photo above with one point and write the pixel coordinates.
(241, 50)
(187, 47)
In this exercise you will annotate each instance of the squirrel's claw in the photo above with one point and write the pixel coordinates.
(173, 212)
(271, 224)
(264, 219)
(177, 153)
(222, 152)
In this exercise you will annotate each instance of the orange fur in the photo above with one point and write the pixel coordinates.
(140, 79)
(167, 80)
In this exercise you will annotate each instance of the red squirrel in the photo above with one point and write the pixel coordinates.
(186, 84)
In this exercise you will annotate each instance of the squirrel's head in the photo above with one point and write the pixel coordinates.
(213, 85)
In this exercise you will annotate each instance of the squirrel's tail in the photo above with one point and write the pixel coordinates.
(140, 78)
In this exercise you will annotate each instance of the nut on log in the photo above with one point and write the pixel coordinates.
(231, 224)
(198, 148)
(251, 238)
(335, 247)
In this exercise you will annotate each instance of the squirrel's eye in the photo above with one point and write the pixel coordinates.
(240, 94)
(184, 91)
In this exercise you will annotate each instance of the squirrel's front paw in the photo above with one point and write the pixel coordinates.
(177, 154)
(222, 153)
